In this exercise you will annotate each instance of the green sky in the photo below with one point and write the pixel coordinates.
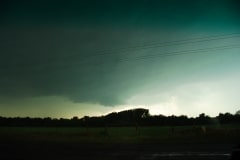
(75, 58)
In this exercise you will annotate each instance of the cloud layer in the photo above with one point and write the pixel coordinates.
(106, 52)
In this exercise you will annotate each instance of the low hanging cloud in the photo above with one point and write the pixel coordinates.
(59, 63)
(89, 52)
(56, 63)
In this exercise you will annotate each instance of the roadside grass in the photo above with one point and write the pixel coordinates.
(125, 135)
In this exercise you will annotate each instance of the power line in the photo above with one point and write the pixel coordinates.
(151, 56)
(164, 44)
(182, 52)
(123, 51)
(166, 54)
(177, 42)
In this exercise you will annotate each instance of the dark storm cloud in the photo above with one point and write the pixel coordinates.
(150, 13)
(65, 63)
(40, 59)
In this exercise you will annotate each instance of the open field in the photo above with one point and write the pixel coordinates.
(146, 143)
(182, 134)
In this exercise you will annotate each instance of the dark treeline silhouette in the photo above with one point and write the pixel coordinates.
(132, 117)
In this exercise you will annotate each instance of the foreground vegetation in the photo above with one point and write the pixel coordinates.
(131, 126)
(179, 134)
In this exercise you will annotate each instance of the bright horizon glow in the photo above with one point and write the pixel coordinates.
(210, 97)
(68, 109)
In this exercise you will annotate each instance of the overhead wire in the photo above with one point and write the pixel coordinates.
(150, 45)
(209, 49)
(86, 60)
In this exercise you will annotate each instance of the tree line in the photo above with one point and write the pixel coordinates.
(134, 117)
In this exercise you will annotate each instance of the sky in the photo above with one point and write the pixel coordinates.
(90, 57)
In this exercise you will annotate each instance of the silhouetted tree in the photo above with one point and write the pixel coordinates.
(135, 117)
(238, 112)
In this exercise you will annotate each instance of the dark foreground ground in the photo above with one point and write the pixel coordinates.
(70, 151)
(118, 143)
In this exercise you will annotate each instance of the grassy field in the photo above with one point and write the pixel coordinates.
(172, 135)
